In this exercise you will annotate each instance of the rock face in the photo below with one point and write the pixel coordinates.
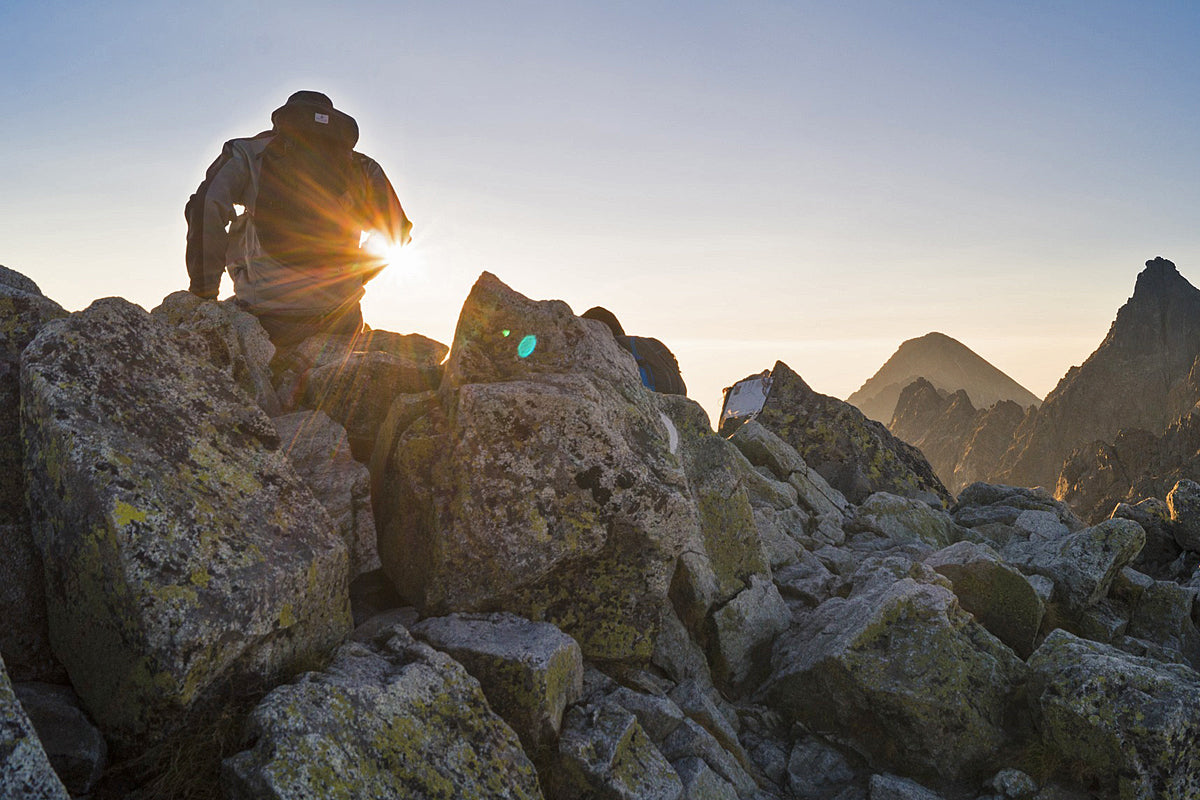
(857, 456)
(1136, 378)
(963, 444)
(947, 365)
(543, 482)
(24, 641)
(390, 717)
(181, 550)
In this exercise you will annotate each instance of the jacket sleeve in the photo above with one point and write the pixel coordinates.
(208, 212)
(384, 212)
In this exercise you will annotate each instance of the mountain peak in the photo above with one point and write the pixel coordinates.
(1159, 278)
(947, 364)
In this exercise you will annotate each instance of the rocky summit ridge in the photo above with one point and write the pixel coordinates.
(359, 568)
(947, 364)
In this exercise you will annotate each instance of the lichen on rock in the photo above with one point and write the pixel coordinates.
(182, 552)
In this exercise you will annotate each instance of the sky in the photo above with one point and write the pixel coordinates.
(811, 182)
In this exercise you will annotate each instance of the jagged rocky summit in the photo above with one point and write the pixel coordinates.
(947, 364)
(536, 579)
(1136, 379)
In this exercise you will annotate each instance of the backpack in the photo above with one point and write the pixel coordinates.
(657, 365)
(305, 209)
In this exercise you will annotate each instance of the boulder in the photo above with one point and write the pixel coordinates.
(1183, 503)
(1082, 565)
(659, 716)
(764, 449)
(700, 782)
(999, 596)
(817, 770)
(390, 717)
(692, 740)
(743, 630)
(320, 453)
(855, 455)
(1012, 784)
(545, 482)
(1162, 614)
(232, 339)
(324, 356)
(182, 553)
(895, 787)
(1161, 549)
(1131, 724)
(728, 543)
(603, 752)
(359, 390)
(75, 748)
(529, 671)
(903, 521)
(25, 772)
(1019, 498)
(24, 639)
(899, 671)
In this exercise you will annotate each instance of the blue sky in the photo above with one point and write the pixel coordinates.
(811, 182)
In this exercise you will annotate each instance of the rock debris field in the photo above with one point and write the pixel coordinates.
(363, 568)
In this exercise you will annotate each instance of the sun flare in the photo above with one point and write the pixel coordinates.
(401, 261)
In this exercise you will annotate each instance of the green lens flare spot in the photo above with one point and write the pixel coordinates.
(505, 332)
(525, 348)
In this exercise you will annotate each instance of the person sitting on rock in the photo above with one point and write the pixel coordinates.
(656, 363)
(295, 253)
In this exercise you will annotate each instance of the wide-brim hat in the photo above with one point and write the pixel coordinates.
(311, 114)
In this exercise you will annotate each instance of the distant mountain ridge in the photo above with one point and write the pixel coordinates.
(949, 366)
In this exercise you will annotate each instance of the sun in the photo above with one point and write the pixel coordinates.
(399, 260)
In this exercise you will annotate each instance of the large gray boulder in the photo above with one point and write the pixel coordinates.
(529, 671)
(24, 640)
(320, 452)
(390, 717)
(182, 553)
(1000, 597)
(25, 772)
(1131, 724)
(1082, 565)
(544, 482)
(899, 671)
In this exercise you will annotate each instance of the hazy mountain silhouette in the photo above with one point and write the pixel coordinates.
(1136, 378)
(948, 365)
